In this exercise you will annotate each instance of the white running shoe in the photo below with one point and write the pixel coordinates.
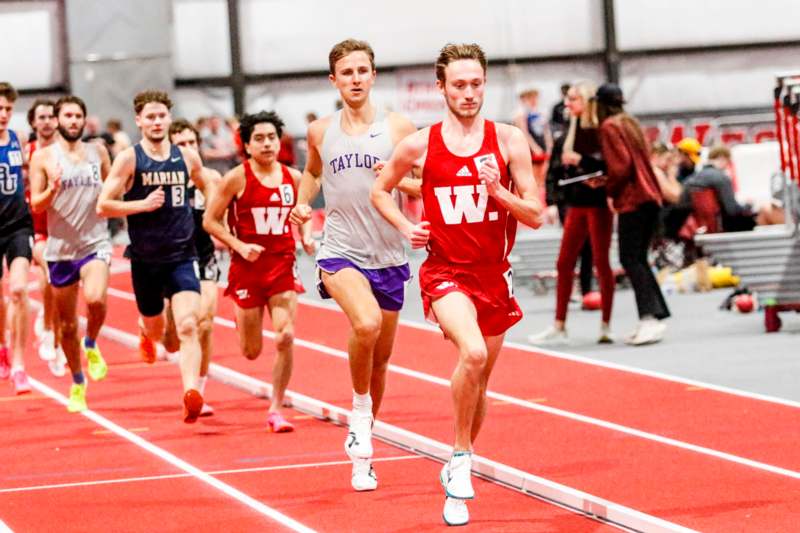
(550, 337)
(363, 477)
(358, 443)
(58, 366)
(605, 335)
(456, 476)
(455, 512)
(47, 346)
(648, 331)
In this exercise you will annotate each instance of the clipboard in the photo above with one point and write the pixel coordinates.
(578, 179)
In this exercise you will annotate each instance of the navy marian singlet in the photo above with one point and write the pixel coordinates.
(166, 234)
(14, 214)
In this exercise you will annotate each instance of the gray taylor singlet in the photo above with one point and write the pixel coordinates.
(74, 229)
(354, 229)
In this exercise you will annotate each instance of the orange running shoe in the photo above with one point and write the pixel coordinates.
(147, 349)
(278, 424)
(192, 406)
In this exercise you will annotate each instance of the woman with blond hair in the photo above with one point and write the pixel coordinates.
(587, 215)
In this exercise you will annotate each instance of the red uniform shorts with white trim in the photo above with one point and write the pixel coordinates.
(252, 284)
(489, 289)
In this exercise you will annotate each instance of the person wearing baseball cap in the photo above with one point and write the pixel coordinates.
(689, 150)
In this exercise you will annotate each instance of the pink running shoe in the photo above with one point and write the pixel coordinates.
(278, 424)
(20, 381)
(5, 366)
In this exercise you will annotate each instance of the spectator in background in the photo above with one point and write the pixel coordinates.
(121, 139)
(286, 155)
(534, 125)
(689, 150)
(735, 217)
(633, 187)
(587, 221)
(92, 132)
(218, 147)
(665, 166)
(559, 118)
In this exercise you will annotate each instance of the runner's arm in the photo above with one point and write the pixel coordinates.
(195, 167)
(403, 160)
(402, 127)
(217, 202)
(306, 238)
(43, 190)
(525, 205)
(110, 205)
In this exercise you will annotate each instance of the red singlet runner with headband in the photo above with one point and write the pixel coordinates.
(261, 216)
(471, 234)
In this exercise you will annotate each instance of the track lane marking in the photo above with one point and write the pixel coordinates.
(210, 473)
(174, 460)
(507, 399)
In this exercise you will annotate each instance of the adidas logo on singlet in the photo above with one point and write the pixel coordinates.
(464, 172)
(274, 197)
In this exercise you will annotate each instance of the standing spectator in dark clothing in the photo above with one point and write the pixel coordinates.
(633, 187)
(588, 218)
(558, 116)
(735, 217)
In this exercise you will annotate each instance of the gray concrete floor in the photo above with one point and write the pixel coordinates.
(702, 343)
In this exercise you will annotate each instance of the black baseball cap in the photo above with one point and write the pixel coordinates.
(610, 94)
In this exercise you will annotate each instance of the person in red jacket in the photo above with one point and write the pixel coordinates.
(633, 188)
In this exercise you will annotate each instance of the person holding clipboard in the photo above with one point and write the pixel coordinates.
(575, 183)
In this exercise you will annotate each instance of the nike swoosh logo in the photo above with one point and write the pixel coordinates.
(373, 135)
(175, 160)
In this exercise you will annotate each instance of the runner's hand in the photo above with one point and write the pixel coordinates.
(489, 175)
(378, 167)
(419, 235)
(154, 200)
(301, 213)
(249, 251)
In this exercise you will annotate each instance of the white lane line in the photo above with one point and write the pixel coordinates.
(534, 350)
(543, 489)
(179, 463)
(4, 528)
(210, 473)
(535, 406)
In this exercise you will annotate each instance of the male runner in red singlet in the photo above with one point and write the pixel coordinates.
(258, 196)
(477, 181)
(43, 121)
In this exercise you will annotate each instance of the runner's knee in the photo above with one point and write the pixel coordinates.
(475, 358)
(18, 293)
(284, 339)
(187, 327)
(367, 329)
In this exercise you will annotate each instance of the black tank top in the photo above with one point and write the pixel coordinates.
(14, 214)
(166, 234)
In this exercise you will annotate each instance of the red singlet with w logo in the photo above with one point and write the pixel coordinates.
(261, 214)
(467, 225)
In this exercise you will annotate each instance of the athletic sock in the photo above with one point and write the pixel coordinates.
(78, 378)
(362, 403)
(89, 343)
(201, 384)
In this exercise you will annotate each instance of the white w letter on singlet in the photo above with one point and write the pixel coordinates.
(464, 205)
(270, 220)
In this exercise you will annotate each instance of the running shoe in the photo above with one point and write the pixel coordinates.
(363, 477)
(207, 410)
(278, 424)
(455, 512)
(5, 366)
(20, 381)
(192, 405)
(147, 349)
(552, 336)
(605, 335)
(58, 366)
(648, 331)
(97, 365)
(456, 477)
(47, 345)
(77, 398)
(358, 443)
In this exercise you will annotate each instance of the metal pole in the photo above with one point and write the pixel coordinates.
(237, 74)
(611, 53)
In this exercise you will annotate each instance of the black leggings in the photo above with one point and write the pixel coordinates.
(635, 231)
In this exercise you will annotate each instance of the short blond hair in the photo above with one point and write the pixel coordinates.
(455, 52)
(346, 47)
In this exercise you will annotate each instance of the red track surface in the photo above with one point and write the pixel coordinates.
(682, 486)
